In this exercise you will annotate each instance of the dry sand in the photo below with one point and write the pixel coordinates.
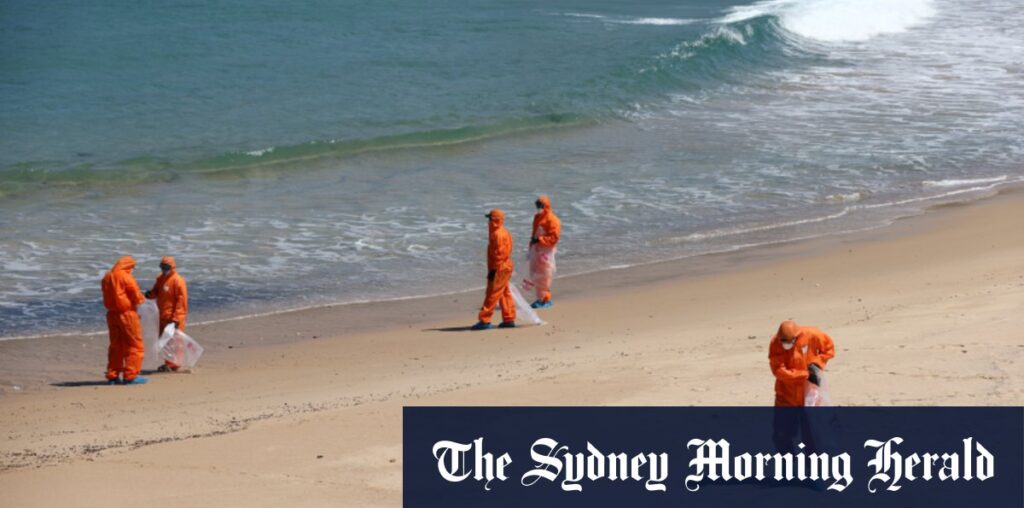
(304, 409)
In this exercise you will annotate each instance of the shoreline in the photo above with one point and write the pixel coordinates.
(223, 333)
(990, 188)
(924, 312)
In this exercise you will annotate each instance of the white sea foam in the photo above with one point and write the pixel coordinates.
(260, 153)
(688, 49)
(839, 20)
(634, 21)
(728, 33)
(980, 185)
(962, 182)
(957, 192)
(851, 197)
(658, 21)
(717, 233)
(21, 266)
(584, 15)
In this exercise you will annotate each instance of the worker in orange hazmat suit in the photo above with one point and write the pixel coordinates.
(121, 295)
(797, 355)
(499, 274)
(171, 295)
(543, 244)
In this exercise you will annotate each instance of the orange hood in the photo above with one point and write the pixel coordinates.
(497, 218)
(169, 260)
(126, 263)
(545, 202)
(788, 330)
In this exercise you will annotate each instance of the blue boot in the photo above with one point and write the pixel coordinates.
(480, 325)
(542, 305)
(507, 324)
(138, 380)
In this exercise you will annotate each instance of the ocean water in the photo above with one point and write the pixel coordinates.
(320, 152)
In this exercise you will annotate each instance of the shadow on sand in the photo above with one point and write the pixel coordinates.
(75, 384)
(450, 329)
(94, 382)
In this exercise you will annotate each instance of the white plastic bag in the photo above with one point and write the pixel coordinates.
(178, 348)
(149, 315)
(817, 396)
(523, 310)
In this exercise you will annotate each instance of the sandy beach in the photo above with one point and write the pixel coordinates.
(304, 408)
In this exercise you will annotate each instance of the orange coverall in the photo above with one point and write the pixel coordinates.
(790, 366)
(121, 295)
(171, 295)
(546, 229)
(499, 261)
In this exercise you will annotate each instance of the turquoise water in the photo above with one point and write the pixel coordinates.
(156, 84)
(321, 152)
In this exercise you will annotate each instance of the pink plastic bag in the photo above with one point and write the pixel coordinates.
(541, 261)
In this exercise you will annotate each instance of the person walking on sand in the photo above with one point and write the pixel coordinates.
(171, 296)
(543, 245)
(499, 274)
(121, 295)
(798, 354)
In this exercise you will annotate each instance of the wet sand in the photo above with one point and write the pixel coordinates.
(304, 408)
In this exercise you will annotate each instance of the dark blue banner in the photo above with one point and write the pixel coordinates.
(709, 456)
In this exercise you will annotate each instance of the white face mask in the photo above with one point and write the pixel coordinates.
(788, 345)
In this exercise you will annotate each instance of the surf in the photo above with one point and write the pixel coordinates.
(839, 20)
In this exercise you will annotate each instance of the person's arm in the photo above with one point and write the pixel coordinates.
(551, 233)
(133, 292)
(492, 255)
(826, 349)
(503, 250)
(180, 302)
(779, 369)
(151, 294)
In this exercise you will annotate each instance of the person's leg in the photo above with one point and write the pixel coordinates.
(541, 273)
(543, 281)
(785, 426)
(536, 274)
(491, 298)
(807, 433)
(115, 359)
(135, 347)
(508, 304)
